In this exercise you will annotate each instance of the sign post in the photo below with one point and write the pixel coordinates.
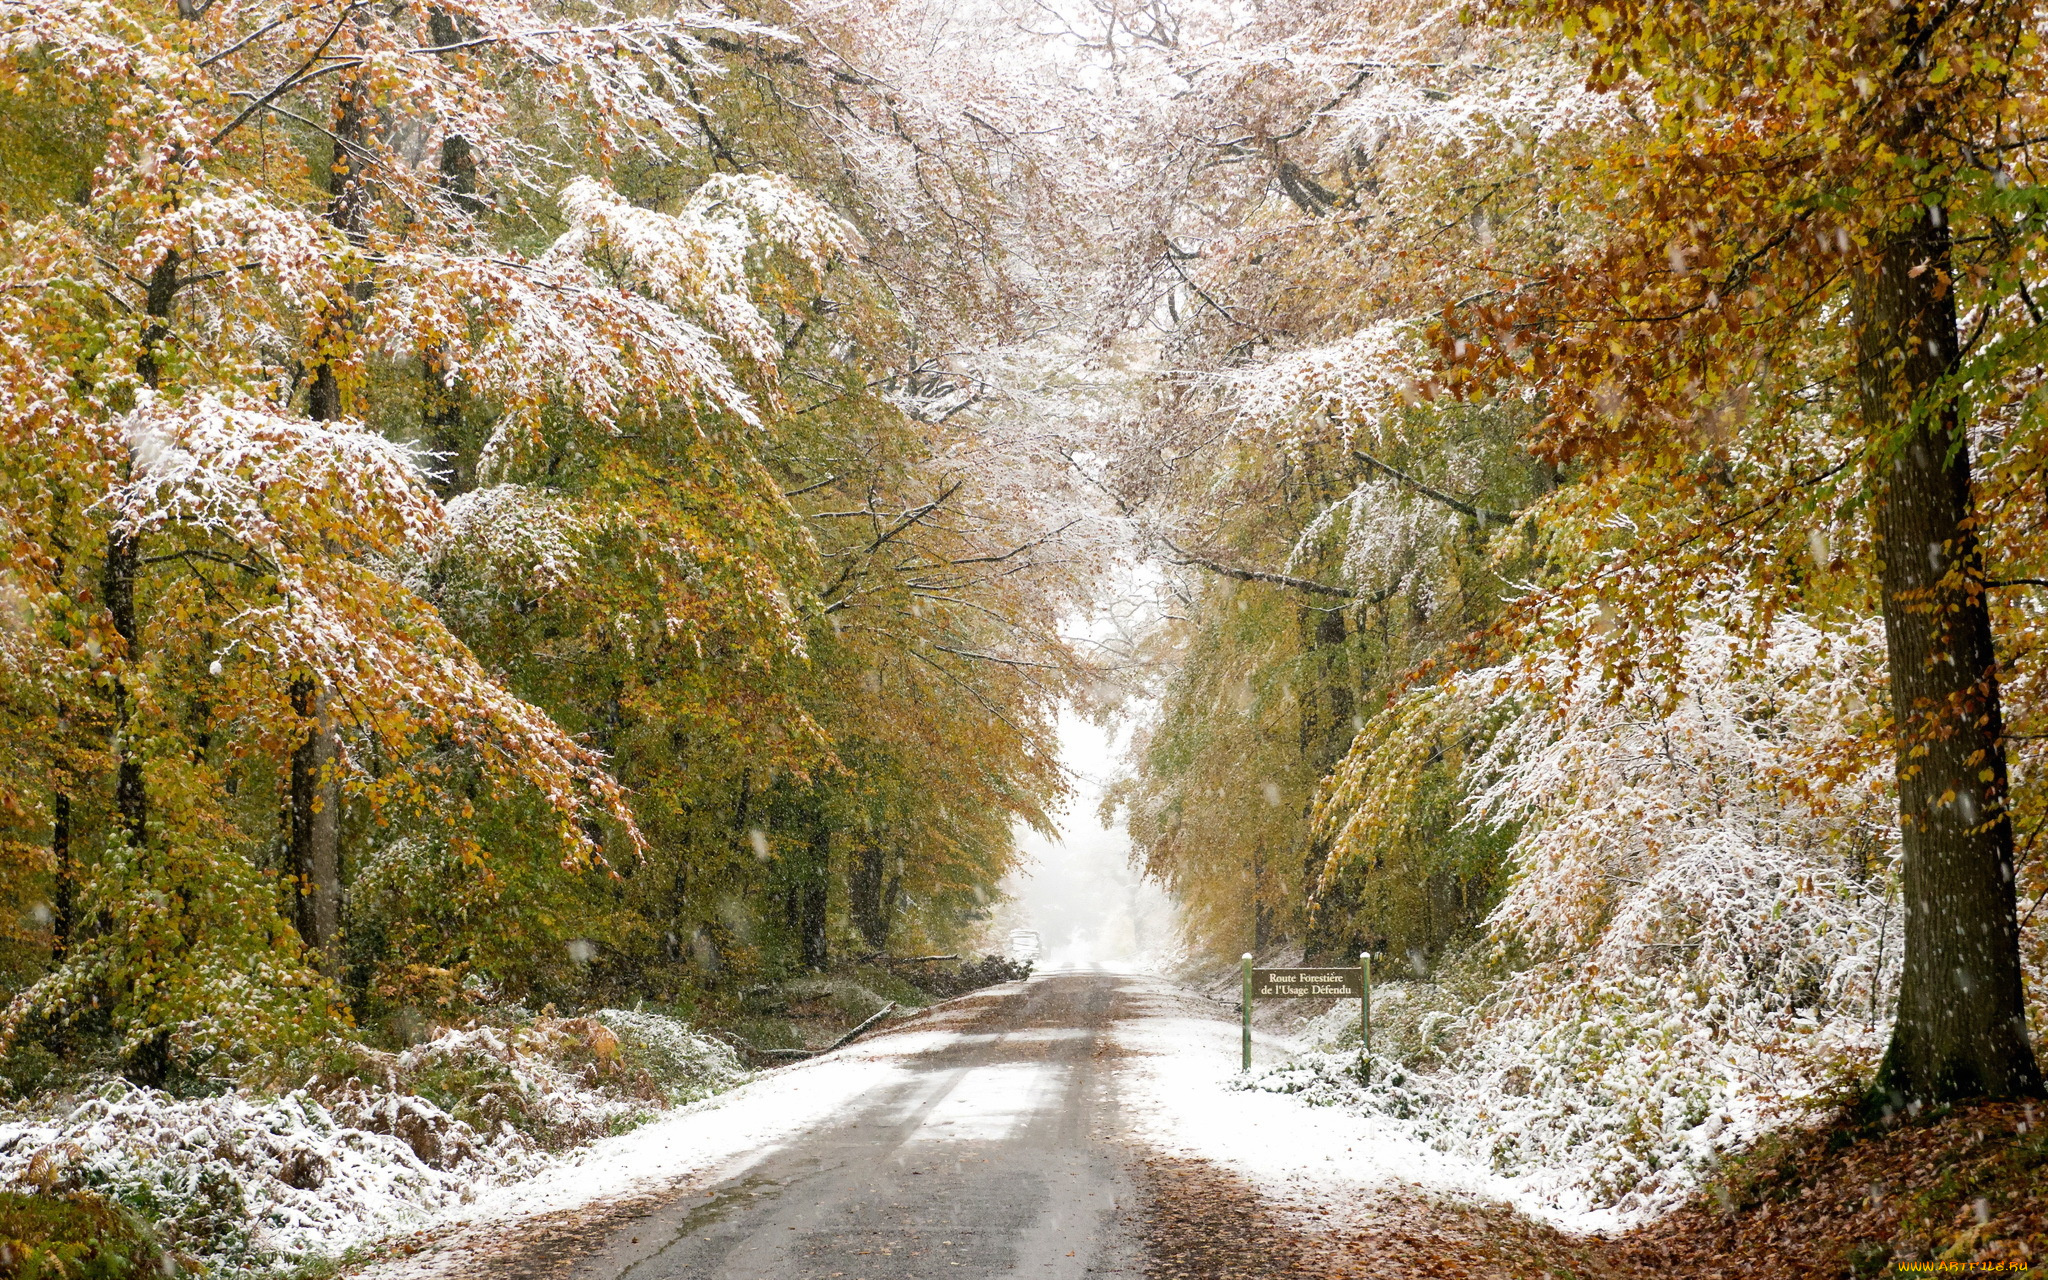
(1365, 1017)
(1247, 1007)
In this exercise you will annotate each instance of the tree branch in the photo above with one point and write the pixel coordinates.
(798, 493)
(990, 657)
(1481, 514)
(304, 75)
(1260, 575)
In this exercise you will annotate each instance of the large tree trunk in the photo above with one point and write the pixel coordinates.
(1961, 1026)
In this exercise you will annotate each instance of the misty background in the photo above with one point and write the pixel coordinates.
(1079, 891)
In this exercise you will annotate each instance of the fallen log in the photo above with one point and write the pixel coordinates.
(841, 1042)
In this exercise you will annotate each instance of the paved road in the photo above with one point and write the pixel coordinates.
(996, 1160)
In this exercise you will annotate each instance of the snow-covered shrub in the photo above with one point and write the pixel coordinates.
(1700, 932)
(567, 1080)
(1414, 1023)
(682, 1064)
(235, 1179)
(366, 1149)
(1337, 1079)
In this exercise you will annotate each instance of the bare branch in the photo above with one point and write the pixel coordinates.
(302, 76)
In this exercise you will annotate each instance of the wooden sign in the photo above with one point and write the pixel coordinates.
(1305, 984)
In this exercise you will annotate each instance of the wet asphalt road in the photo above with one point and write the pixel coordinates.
(995, 1160)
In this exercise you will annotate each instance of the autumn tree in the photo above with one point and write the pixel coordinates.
(1817, 195)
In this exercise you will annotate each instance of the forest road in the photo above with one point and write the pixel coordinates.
(997, 1159)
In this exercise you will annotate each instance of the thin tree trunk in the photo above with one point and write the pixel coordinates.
(149, 1062)
(1328, 708)
(117, 591)
(1961, 1026)
(117, 583)
(63, 888)
(865, 884)
(811, 892)
(60, 854)
(806, 881)
(442, 395)
(315, 836)
(316, 828)
(1257, 873)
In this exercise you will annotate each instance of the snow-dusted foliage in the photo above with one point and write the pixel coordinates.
(512, 538)
(626, 309)
(245, 1181)
(681, 1063)
(1382, 539)
(265, 479)
(1702, 916)
(1360, 383)
(695, 259)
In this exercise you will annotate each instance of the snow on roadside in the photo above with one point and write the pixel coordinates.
(1181, 1091)
(708, 1141)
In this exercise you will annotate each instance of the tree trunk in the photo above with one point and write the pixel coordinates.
(315, 808)
(1262, 911)
(809, 887)
(1961, 1025)
(316, 829)
(62, 887)
(1328, 708)
(866, 881)
(60, 854)
(148, 1063)
(131, 797)
(442, 395)
(124, 558)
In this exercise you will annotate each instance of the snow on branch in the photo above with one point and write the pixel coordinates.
(1361, 383)
(528, 535)
(316, 506)
(626, 310)
(695, 260)
(277, 485)
(395, 672)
